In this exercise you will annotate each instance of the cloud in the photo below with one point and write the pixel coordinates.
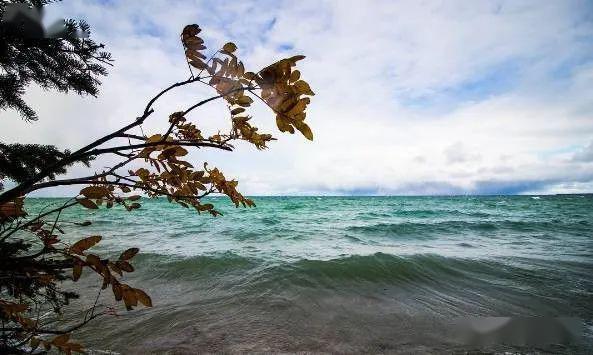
(457, 153)
(411, 97)
(585, 154)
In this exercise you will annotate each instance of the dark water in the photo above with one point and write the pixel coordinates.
(345, 274)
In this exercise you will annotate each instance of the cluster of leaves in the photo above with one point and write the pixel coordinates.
(29, 280)
(281, 88)
(154, 165)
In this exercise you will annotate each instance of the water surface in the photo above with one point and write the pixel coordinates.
(342, 274)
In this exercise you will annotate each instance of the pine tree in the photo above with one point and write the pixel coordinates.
(65, 61)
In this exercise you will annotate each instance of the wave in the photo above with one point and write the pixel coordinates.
(426, 280)
(436, 228)
(375, 268)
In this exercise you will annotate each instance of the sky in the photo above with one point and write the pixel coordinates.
(412, 97)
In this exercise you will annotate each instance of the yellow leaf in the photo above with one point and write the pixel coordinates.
(244, 100)
(305, 130)
(300, 106)
(80, 246)
(229, 47)
(154, 138)
(303, 88)
(295, 59)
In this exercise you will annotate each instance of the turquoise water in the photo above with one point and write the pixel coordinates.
(345, 274)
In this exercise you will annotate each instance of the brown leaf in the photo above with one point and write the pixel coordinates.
(143, 297)
(124, 265)
(61, 339)
(129, 254)
(305, 130)
(116, 288)
(229, 47)
(205, 207)
(294, 76)
(129, 296)
(76, 271)
(237, 111)
(88, 203)
(80, 246)
(95, 192)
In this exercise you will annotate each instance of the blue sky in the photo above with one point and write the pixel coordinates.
(412, 97)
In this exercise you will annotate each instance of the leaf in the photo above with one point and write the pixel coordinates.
(129, 254)
(237, 111)
(94, 261)
(229, 47)
(205, 207)
(116, 288)
(88, 203)
(154, 138)
(143, 297)
(61, 339)
(124, 265)
(198, 64)
(295, 59)
(133, 197)
(303, 88)
(80, 246)
(294, 76)
(130, 297)
(244, 100)
(76, 271)
(305, 130)
(95, 192)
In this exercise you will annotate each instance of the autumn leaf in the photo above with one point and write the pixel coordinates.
(95, 192)
(143, 297)
(88, 203)
(76, 271)
(80, 246)
(237, 111)
(61, 339)
(129, 254)
(229, 47)
(303, 88)
(305, 130)
(124, 265)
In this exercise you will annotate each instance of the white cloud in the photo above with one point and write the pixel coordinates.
(412, 97)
